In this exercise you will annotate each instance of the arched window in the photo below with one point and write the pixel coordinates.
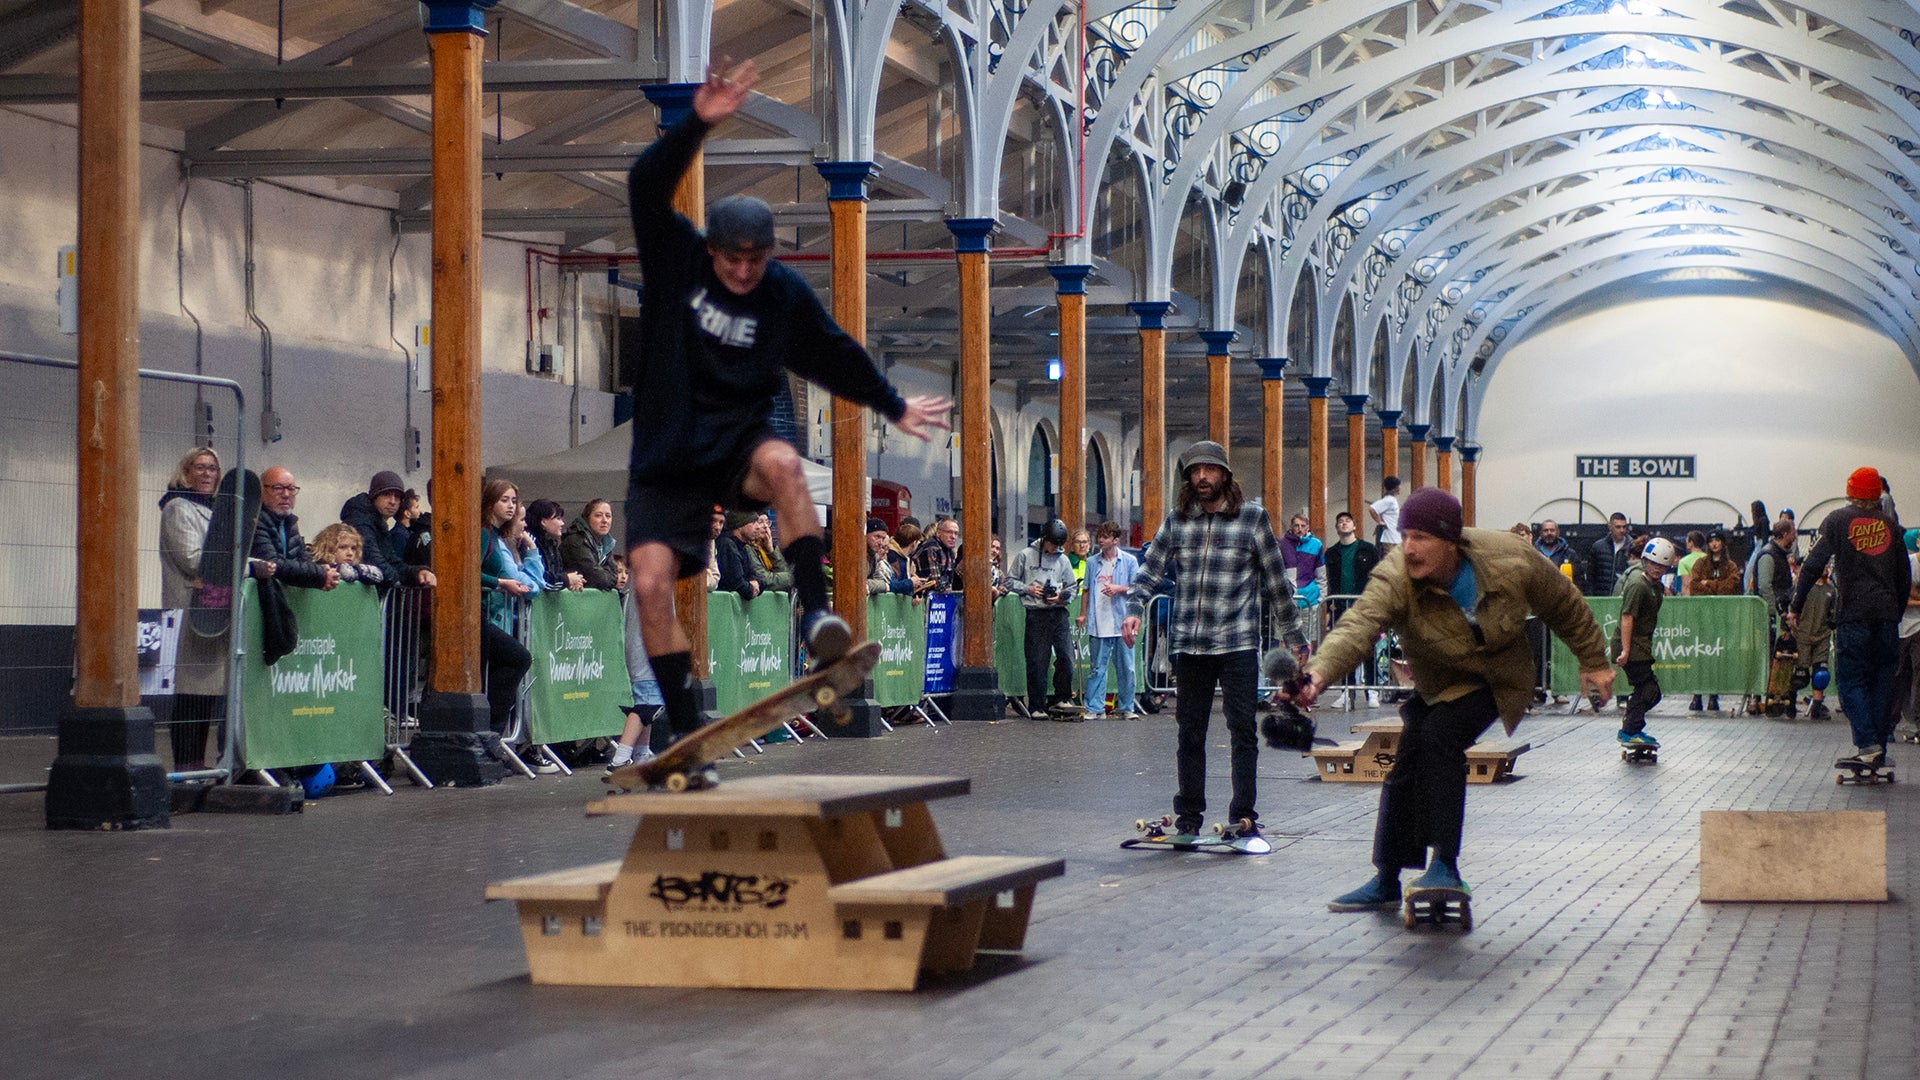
(1096, 481)
(1039, 482)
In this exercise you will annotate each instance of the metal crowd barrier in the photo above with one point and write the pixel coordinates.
(38, 561)
(1384, 672)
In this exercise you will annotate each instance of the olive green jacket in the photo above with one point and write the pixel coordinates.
(1448, 663)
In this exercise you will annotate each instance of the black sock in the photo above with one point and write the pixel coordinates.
(804, 556)
(674, 672)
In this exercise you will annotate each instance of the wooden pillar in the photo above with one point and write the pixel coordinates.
(674, 101)
(1389, 443)
(106, 668)
(976, 436)
(1153, 413)
(106, 774)
(1317, 451)
(1219, 386)
(1443, 462)
(454, 719)
(1272, 443)
(1356, 456)
(1071, 295)
(1417, 479)
(455, 310)
(1469, 494)
(847, 211)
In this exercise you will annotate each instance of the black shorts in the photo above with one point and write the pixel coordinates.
(679, 512)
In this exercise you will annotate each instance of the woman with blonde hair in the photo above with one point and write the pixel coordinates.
(200, 673)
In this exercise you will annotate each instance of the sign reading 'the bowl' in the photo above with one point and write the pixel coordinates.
(1633, 466)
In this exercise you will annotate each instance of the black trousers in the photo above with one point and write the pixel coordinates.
(192, 718)
(506, 662)
(1645, 695)
(1195, 676)
(1424, 800)
(1047, 634)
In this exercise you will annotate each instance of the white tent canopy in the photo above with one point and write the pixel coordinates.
(597, 469)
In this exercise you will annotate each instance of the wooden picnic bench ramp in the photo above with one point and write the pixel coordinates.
(1367, 760)
(783, 882)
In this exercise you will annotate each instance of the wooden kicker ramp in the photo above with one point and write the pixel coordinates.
(784, 882)
(1368, 759)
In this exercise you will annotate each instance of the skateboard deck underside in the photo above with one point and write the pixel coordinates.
(1438, 907)
(840, 679)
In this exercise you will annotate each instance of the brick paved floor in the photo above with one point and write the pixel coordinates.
(352, 939)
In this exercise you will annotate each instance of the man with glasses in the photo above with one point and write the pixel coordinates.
(279, 551)
(1458, 598)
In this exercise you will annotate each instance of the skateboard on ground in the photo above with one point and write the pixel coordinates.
(227, 539)
(687, 764)
(1640, 755)
(1437, 908)
(1235, 839)
(1849, 772)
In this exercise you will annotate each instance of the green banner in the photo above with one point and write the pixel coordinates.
(321, 702)
(1010, 645)
(900, 626)
(749, 647)
(1702, 645)
(579, 682)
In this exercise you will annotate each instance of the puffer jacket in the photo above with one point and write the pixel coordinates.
(1448, 663)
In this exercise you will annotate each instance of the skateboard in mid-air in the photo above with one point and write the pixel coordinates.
(1640, 755)
(1848, 771)
(1237, 838)
(1437, 907)
(687, 764)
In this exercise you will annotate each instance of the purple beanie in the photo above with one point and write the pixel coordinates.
(1433, 512)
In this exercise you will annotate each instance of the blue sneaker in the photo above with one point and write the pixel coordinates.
(1380, 894)
(1439, 875)
(1639, 738)
(827, 635)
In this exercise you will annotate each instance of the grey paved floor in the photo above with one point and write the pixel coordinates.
(352, 939)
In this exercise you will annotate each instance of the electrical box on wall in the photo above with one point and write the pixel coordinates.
(412, 449)
(423, 357)
(544, 359)
(67, 296)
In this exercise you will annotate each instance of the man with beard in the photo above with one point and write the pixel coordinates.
(1227, 561)
(1459, 600)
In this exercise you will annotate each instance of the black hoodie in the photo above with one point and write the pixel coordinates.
(360, 513)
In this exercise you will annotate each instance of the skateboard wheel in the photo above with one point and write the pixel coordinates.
(825, 696)
(676, 782)
(1466, 918)
(1409, 917)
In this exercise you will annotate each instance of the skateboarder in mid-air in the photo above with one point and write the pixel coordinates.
(722, 324)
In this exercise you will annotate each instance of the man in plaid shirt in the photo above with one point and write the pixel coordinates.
(1227, 562)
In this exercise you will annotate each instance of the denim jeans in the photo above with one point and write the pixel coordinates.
(1866, 658)
(1237, 674)
(1114, 649)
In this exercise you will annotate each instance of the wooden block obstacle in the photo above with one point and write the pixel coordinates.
(1831, 855)
(1490, 761)
(1368, 761)
(796, 882)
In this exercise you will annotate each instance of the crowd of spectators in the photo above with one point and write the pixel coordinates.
(384, 539)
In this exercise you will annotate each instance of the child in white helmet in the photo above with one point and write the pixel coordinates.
(1632, 645)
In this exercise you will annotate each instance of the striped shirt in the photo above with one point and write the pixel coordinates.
(1225, 564)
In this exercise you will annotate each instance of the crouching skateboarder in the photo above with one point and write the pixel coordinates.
(722, 325)
(1458, 598)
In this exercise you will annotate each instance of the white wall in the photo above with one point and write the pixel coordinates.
(322, 274)
(1776, 401)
